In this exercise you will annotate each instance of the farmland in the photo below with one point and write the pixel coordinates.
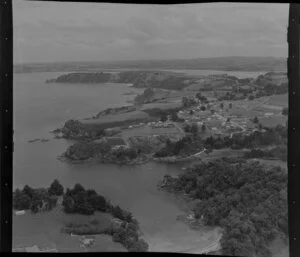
(116, 120)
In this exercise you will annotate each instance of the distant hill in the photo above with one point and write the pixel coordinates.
(221, 63)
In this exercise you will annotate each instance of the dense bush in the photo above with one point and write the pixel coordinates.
(188, 101)
(185, 146)
(37, 199)
(278, 152)
(246, 200)
(128, 236)
(56, 188)
(124, 153)
(272, 136)
(285, 111)
(85, 150)
(79, 200)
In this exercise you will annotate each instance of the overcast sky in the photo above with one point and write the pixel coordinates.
(55, 32)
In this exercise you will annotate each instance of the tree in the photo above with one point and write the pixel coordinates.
(56, 188)
(186, 128)
(163, 117)
(185, 101)
(285, 111)
(212, 112)
(27, 190)
(174, 116)
(221, 106)
(230, 105)
(251, 97)
(203, 128)
(199, 96)
(21, 201)
(98, 202)
(191, 112)
(117, 212)
(255, 120)
(194, 129)
(139, 246)
(203, 108)
(77, 188)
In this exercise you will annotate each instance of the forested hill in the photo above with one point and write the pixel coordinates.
(221, 63)
(141, 79)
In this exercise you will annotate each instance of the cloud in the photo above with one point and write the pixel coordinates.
(114, 31)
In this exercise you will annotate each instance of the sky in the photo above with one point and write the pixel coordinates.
(63, 32)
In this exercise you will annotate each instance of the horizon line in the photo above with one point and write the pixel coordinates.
(149, 60)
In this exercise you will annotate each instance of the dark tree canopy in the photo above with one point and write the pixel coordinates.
(56, 188)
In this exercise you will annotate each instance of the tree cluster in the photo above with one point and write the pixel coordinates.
(185, 147)
(188, 101)
(128, 235)
(248, 201)
(79, 200)
(278, 152)
(37, 199)
(272, 136)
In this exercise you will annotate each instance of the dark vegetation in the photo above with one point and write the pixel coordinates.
(285, 111)
(158, 113)
(80, 77)
(146, 97)
(184, 147)
(278, 152)
(85, 150)
(271, 136)
(247, 200)
(192, 144)
(82, 201)
(140, 79)
(188, 101)
(39, 199)
(103, 151)
(191, 128)
(74, 129)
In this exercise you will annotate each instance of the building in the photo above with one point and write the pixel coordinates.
(268, 114)
(18, 213)
(88, 242)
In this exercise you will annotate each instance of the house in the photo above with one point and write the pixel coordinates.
(269, 114)
(88, 241)
(18, 213)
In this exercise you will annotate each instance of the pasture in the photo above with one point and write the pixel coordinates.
(145, 131)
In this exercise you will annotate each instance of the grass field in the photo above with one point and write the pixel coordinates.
(273, 121)
(112, 141)
(281, 100)
(161, 105)
(148, 131)
(43, 230)
(108, 121)
(135, 115)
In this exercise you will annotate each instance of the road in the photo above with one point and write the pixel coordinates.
(197, 154)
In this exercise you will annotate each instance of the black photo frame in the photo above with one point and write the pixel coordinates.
(6, 122)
